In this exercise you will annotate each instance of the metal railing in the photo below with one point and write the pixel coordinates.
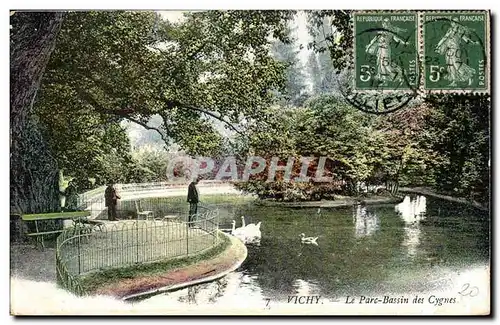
(85, 248)
(165, 185)
(94, 199)
(88, 196)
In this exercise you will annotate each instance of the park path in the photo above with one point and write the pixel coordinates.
(97, 206)
(27, 262)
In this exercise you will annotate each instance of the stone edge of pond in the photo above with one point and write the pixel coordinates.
(236, 246)
(344, 202)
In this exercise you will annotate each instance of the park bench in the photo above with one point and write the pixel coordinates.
(143, 214)
(76, 216)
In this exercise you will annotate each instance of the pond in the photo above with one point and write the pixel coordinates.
(361, 250)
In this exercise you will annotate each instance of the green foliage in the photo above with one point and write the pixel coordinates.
(149, 165)
(428, 144)
(110, 66)
(230, 65)
(327, 127)
(288, 191)
(458, 130)
(443, 142)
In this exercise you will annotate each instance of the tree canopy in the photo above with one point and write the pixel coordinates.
(242, 69)
(124, 65)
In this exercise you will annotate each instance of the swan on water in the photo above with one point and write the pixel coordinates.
(249, 234)
(308, 240)
(250, 225)
(238, 232)
(251, 231)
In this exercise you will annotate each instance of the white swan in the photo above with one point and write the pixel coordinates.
(238, 232)
(251, 225)
(249, 234)
(308, 240)
(252, 231)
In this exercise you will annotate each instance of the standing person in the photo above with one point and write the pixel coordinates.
(111, 198)
(71, 194)
(193, 198)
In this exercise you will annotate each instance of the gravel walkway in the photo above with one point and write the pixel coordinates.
(30, 263)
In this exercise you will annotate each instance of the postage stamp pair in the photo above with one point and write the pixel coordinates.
(428, 51)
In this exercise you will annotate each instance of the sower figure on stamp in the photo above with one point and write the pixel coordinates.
(451, 47)
(193, 199)
(111, 198)
(380, 46)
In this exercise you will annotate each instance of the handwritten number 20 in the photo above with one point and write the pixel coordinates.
(467, 290)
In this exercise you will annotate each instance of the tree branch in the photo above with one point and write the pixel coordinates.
(185, 106)
(175, 69)
(144, 125)
(170, 103)
(95, 104)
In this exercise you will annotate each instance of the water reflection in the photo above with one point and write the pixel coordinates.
(366, 222)
(305, 288)
(342, 264)
(412, 211)
(236, 289)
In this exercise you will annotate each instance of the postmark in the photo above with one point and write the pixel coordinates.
(385, 50)
(377, 102)
(399, 56)
(456, 51)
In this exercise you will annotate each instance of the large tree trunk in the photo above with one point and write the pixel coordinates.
(34, 175)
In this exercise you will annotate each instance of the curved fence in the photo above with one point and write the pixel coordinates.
(90, 247)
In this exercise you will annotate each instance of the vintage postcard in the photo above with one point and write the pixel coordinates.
(250, 162)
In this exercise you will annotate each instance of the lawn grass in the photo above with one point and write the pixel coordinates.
(177, 205)
(95, 280)
(132, 242)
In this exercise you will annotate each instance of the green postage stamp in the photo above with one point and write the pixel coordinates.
(385, 51)
(453, 47)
